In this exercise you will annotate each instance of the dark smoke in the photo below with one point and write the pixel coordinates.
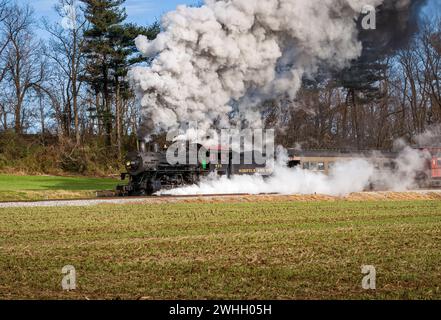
(397, 22)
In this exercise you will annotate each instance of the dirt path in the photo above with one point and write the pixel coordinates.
(364, 196)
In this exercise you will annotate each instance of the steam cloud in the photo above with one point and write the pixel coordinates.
(213, 65)
(431, 137)
(288, 181)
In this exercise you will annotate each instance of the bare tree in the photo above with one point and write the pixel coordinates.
(430, 54)
(66, 54)
(4, 41)
(25, 68)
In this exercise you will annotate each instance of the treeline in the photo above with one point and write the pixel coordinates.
(72, 82)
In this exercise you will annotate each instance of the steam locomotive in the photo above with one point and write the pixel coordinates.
(149, 169)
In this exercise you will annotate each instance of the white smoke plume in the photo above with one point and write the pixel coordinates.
(228, 55)
(431, 137)
(409, 164)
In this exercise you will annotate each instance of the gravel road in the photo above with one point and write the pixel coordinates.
(68, 203)
(409, 195)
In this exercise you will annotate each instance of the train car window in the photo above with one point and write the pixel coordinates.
(321, 166)
(313, 165)
(306, 165)
(439, 162)
(331, 165)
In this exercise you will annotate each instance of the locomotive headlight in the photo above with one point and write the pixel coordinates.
(132, 165)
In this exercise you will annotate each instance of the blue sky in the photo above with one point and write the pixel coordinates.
(142, 12)
(433, 7)
(145, 12)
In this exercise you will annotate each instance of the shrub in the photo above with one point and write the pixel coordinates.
(29, 155)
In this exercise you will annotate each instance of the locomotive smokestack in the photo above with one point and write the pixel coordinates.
(141, 146)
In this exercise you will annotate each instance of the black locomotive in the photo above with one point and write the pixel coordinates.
(149, 170)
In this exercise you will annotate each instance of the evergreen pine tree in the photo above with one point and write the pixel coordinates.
(110, 52)
(105, 18)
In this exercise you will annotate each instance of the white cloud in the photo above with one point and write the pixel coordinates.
(139, 7)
